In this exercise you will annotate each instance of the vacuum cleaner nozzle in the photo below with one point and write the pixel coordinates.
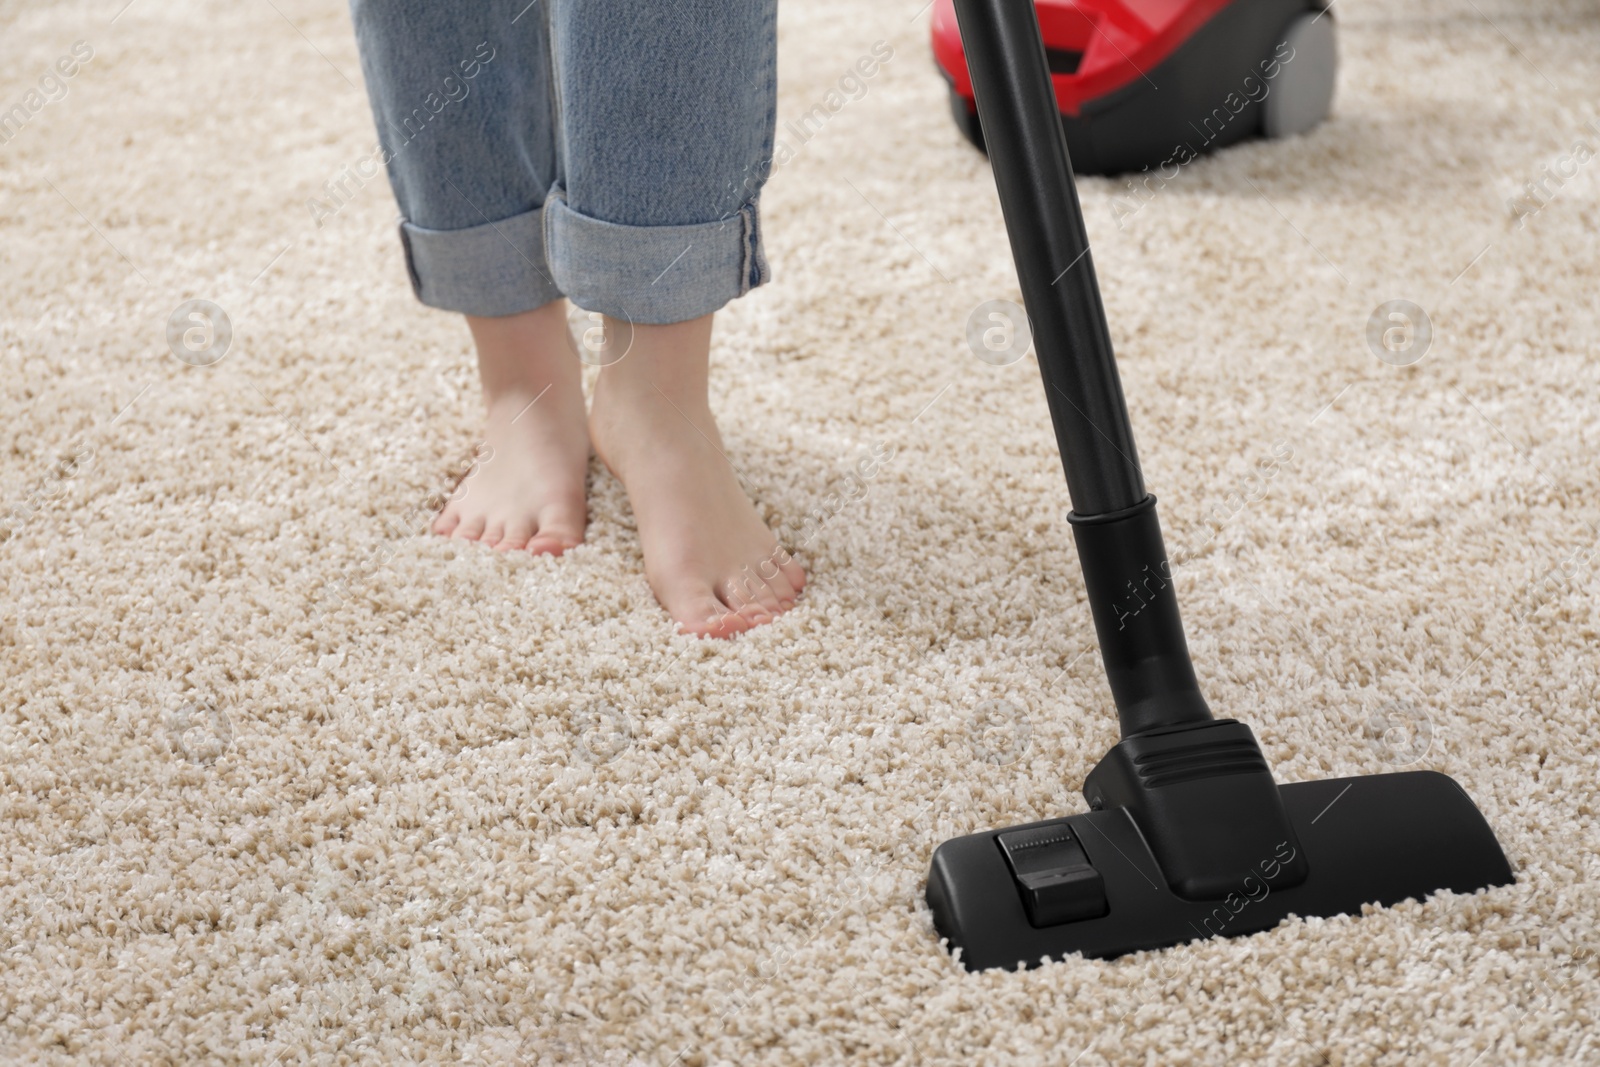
(1098, 884)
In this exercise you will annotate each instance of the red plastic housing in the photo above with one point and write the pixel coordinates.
(1095, 47)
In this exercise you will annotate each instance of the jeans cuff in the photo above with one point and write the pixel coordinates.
(653, 274)
(498, 268)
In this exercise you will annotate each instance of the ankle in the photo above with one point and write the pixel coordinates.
(521, 402)
(644, 392)
(671, 360)
(522, 356)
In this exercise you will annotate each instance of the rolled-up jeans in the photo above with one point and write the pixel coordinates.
(611, 151)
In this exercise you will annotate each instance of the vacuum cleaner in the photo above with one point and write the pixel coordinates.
(1187, 836)
(1155, 83)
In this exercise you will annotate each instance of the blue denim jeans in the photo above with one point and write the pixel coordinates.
(611, 151)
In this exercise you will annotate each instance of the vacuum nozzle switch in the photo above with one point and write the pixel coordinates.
(1053, 874)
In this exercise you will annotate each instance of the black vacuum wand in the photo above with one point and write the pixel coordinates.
(1188, 835)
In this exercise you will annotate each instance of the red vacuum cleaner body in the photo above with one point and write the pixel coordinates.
(1157, 83)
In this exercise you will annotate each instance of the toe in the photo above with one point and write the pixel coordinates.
(562, 523)
(779, 584)
(748, 594)
(447, 521)
(756, 615)
(493, 533)
(517, 533)
(753, 592)
(542, 545)
(751, 606)
(696, 610)
(470, 528)
(792, 572)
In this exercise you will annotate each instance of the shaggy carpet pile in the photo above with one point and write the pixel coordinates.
(287, 780)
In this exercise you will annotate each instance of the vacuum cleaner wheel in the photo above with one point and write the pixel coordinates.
(966, 117)
(1303, 92)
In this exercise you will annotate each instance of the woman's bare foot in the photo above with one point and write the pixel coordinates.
(710, 559)
(526, 490)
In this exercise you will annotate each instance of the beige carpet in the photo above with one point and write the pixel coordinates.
(287, 781)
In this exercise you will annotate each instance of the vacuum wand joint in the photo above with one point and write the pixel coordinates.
(1129, 582)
